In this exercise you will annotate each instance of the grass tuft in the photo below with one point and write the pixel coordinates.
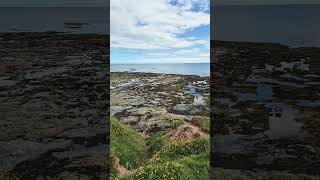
(177, 161)
(203, 123)
(126, 144)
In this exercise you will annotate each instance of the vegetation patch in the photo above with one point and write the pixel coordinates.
(113, 171)
(181, 134)
(126, 144)
(156, 142)
(167, 159)
(177, 161)
(177, 122)
(179, 150)
(203, 123)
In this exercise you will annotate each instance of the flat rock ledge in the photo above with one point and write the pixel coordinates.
(54, 105)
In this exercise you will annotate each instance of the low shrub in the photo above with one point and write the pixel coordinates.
(177, 161)
(156, 142)
(203, 123)
(178, 150)
(126, 144)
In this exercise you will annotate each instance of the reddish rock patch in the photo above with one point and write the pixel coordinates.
(120, 169)
(185, 132)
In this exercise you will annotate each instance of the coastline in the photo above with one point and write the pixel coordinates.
(197, 69)
(171, 113)
(157, 91)
(54, 103)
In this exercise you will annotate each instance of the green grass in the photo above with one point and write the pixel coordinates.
(179, 150)
(177, 161)
(196, 166)
(203, 123)
(177, 122)
(126, 144)
(156, 142)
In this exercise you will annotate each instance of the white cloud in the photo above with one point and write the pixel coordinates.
(183, 53)
(154, 24)
(193, 55)
(202, 5)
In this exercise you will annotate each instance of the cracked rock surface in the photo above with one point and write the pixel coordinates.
(266, 107)
(150, 102)
(54, 105)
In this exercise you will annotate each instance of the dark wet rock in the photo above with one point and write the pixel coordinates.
(19, 151)
(264, 107)
(87, 136)
(150, 102)
(54, 99)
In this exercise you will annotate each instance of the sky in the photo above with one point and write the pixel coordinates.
(99, 3)
(160, 31)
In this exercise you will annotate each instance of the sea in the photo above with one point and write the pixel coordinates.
(77, 20)
(292, 25)
(199, 69)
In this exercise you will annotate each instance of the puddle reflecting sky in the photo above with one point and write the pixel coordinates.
(282, 122)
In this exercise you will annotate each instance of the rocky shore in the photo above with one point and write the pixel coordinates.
(54, 105)
(168, 115)
(265, 109)
(150, 102)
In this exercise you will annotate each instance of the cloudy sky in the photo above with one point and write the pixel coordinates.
(160, 31)
(50, 3)
(99, 3)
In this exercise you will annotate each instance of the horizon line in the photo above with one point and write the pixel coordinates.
(108, 6)
(165, 63)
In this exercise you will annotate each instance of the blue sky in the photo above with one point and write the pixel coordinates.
(160, 31)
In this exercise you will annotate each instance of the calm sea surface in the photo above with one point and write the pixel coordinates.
(200, 69)
(41, 19)
(293, 25)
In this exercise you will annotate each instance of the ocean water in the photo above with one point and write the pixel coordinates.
(293, 25)
(62, 19)
(199, 69)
